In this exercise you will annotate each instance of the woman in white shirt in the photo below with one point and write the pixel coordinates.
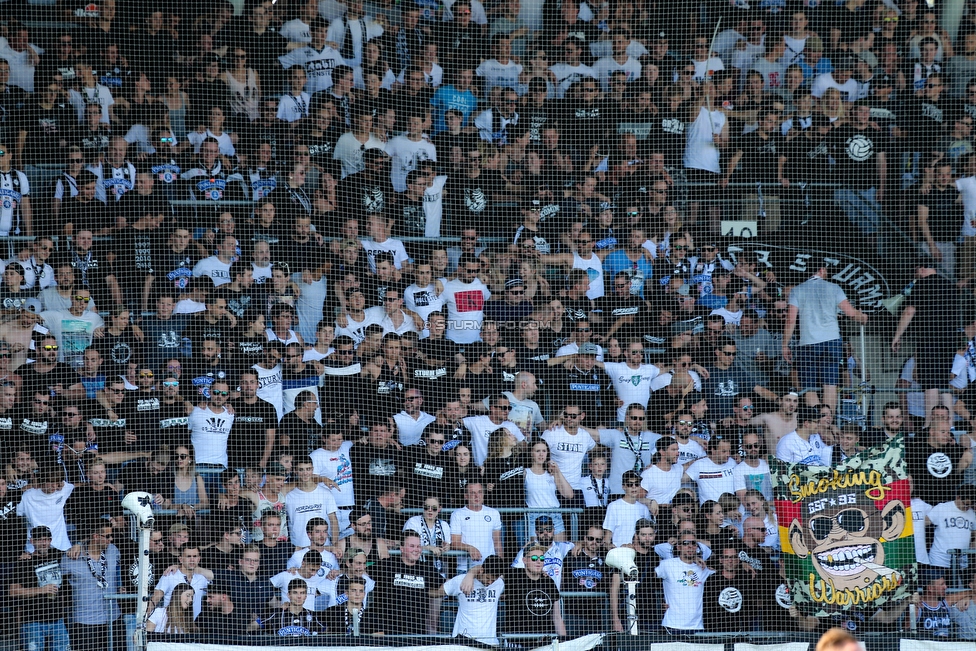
(213, 128)
(294, 105)
(542, 481)
(435, 534)
(243, 88)
(177, 617)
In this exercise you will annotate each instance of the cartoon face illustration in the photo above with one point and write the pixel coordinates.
(843, 536)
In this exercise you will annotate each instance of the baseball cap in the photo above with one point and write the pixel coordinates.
(33, 305)
(514, 282)
(178, 528)
(883, 80)
(806, 413)
(661, 36)
(868, 57)
(532, 204)
(589, 349)
(275, 469)
(814, 44)
(845, 63)
(351, 553)
(683, 499)
(684, 290)
(374, 153)
(41, 532)
(929, 575)
(218, 587)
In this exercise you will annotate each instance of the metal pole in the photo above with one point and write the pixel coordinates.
(864, 377)
(632, 607)
(143, 604)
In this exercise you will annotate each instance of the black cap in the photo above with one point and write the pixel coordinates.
(845, 63)
(218, 587)
(683, 499)
(41, 532)
(806, 413)
(374, 153)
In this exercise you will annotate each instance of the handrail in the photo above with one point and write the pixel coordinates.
(506, 509)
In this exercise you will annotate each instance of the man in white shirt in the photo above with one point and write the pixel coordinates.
(501, 69)
(298, 30)
(476, 528)
(570, 69)
(805, 445)
(44, 506)
(622, 515)
(631, 448)
(477, 615)
(525, 412)
(410, 148)
(481, 427)
(631, 378)
(210, 427)
(752, 473)
(493, 123)
(318, 59)
(424, 295)
(662, 479)
(91, 92)
(684, 586)
(466, 297)
(841, 78)
(713, 474)
(22, 57)
(378, 228)
(73, 328)
(350, 146)
(568, 445)
(310, 571)
(352, 31)
(310, 499)
(411, 422)
(955, 525)
(556, 552)
(187, 571)
(620, 60)
(217, 267)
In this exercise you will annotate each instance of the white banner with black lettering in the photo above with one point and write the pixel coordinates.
(934, 645)
(584, 643)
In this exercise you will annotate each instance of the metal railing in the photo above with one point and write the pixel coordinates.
(959, 560)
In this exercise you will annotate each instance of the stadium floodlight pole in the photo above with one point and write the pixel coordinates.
(708, 81)
(622, 559)
(139, 503)
(864, 371)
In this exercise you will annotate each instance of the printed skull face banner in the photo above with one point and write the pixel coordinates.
(846, 532)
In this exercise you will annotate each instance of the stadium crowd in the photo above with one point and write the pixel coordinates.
(230, 290)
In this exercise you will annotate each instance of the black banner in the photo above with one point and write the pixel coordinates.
(864, 285)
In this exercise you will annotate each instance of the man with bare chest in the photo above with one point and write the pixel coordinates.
(777, 424)
(17, 330)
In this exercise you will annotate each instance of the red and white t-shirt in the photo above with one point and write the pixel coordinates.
(465, 310)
